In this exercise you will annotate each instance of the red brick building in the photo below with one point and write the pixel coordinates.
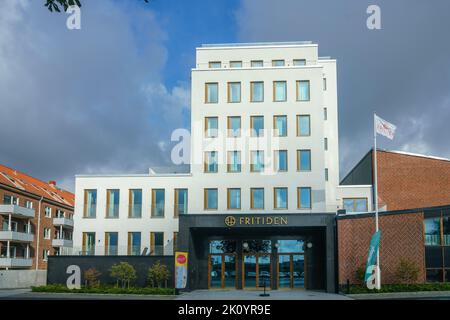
(35, 220)
(405, 180)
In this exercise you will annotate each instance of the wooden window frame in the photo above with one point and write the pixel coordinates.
(252, 165)
(297, 87)
(131, 205)
(229, 84)
(229, 157)
(86, 204)
(299, 151)
(299, 198)
(153, 209)
(229, 118)
(253, 132)
(210, 63)
(207, 127)
(298, 65)
(275, 203)
(235, 61)
(285, 89)
(299, 116)
(205, 199)
(252, 84)
(354, 202)
(277, 160)
(275, 127)
(176, 197)
(275, 60)
(206, 92)
(252, 202)
(252, 62)
(205, 162)
(229, 199)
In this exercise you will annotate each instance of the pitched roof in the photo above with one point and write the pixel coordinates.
(24, 182)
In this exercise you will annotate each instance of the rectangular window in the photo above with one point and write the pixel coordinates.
(256, 91)
(234, 161)
(278, 63)
(257, 161)
(304, 160)
(234, 127)
(112, 203)
(90, 203)
(325, 144)
(257, 63)
(211, 92)
(257, 198)
(134, 243)
(48, 212)
(279, 91)
(235, 64)
(280, 126)
(181, 202)
(111, 243)
(280, 200)
(47, 234)
(7, 199)
(303, 125)
(45, 254)
(355, 205)
(211, 162)
(303, 90)
(158, 200)
(215, 64)
(156, 243)
(304, 198)
(210, 199)
(281, 161)
(446, 231)
(135, 203)
(28, 204)
(211, 127)
(299, 62)
(257, 126)
(234, 92)
(234, 198)
(326, 174)
(88, 243)
(432, 231)
(325, 114)
(324, 84)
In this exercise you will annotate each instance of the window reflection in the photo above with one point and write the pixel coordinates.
(432, 231)
(222, 246)
(287, 246)
(264, 246)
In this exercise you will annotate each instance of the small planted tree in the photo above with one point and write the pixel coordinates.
(407, 272)
(91, 276)
(124, 273)
(158, 274)
(360, 273)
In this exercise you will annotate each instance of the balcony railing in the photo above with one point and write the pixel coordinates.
(62, 243)
(6, 235)
(65, 222)
(16, 262)
(16, 211)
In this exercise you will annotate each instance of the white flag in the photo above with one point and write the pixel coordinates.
(384, 128)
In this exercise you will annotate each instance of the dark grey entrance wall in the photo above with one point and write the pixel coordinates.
(57, 267)
(196, 230)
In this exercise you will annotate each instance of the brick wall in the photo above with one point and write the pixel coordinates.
(406, 181)
(401, 237)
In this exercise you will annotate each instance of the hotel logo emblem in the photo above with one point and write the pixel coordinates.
(230, 221)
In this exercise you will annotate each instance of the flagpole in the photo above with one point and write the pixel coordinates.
(378, 276)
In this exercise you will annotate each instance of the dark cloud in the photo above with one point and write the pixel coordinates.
(84, 101)
(402, 71)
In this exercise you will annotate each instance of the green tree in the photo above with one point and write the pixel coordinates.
(407, 272)
(57, 5)
(91, 276)
(124, 273)
(158, 274)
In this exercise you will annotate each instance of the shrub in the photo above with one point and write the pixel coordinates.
(91, 276)
(124, 273)
(158, 274)
(407, 272)
(59, 288)
(360, 273)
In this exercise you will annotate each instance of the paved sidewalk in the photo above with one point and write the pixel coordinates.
(254, 295)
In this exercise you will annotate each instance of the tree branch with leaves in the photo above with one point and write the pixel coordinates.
(57, 5)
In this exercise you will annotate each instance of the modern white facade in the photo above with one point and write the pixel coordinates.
(235, 89)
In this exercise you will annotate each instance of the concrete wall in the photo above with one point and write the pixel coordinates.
(16, 279)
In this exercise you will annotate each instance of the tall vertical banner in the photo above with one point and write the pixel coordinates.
(181, 266)
(371, 264)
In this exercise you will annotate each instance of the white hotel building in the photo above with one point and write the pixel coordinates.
(264, 165)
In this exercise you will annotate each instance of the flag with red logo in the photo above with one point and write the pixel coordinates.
(384, 128)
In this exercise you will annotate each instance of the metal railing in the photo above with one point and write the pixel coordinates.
(162, 250)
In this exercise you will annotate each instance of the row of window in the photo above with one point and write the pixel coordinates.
(257, 63)
(257, 163)
(10, 199)
(279, 91)
(134, 245)
(180, 205)
(280, 125)
(59, 234)
(135, 203)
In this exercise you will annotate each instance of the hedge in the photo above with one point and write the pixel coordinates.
(58, 288)
(386, 288)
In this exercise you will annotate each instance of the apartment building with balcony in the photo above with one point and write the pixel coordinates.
(36, 220)
(258, 203)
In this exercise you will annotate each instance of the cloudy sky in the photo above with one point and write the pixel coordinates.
(105, 99)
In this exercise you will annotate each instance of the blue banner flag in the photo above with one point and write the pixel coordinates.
(372, 256)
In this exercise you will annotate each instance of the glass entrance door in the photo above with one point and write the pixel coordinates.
(256, 270)
(291, 271)
(222, 271)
